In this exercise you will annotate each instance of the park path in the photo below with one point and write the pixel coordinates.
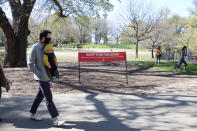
(104, 112)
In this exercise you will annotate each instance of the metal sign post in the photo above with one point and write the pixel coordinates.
(126, 72)
(79, 72)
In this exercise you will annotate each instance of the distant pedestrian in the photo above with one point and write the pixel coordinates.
(182, 60)
(36, 65)
(158, 54)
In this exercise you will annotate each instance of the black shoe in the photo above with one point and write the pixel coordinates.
(1, 120)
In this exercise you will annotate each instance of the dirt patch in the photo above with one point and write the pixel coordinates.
(104, 78)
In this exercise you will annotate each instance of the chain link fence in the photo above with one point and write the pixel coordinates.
(174, 55)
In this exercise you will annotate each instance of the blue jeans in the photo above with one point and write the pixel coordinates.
(180, 63)
(158, 57)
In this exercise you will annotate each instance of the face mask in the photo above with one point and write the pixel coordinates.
(47, 40)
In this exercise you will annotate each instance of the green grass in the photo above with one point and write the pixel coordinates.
(1, 54)
(141, 57)
(167, 67)
(1, 57)
(99, 46)
(120, 46)
(2, 48)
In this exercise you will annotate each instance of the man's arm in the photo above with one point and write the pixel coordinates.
(2, 77)
(32, 61)
(3, 81)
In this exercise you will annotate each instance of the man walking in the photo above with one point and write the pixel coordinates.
(36, 65)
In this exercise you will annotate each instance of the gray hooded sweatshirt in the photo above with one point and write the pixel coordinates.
(35, 63)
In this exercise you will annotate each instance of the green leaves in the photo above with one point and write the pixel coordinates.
(79, 7)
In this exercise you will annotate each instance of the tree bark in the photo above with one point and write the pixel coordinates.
(152, 51)
(137, 42)
(10, 38)
(4, 82)
(16, 35)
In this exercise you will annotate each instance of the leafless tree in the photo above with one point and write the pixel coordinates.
(82, 23)
(161, 32)
(97, 29)
(138, 21)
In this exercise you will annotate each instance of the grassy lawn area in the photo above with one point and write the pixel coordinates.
(1, 54)
(1, 57)
(96, 46)
(2, 48)
(141, 57)
(167, 67)
(144, 60)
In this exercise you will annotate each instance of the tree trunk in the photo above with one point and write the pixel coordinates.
(22, 47)
(16, 48)
(4, 82)
(152, 52)
(137, 42)
(10, 52)
(105, 38)
(96, 40)
(117, 40)
(16, 35)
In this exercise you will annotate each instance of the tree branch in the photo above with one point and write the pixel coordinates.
(60, 9)
(3, 1)
(28, 6)
(5, 25)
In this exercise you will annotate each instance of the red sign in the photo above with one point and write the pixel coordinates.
(101, 56)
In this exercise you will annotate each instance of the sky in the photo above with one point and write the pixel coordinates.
(178, 7)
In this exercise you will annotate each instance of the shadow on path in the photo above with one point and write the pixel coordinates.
(111, 124)
(148, 110)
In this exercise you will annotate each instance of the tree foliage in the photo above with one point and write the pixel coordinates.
(17, 32)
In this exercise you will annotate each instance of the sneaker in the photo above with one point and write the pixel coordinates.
(174, 71)
(35, 117)
(58, 122)
(184, 71)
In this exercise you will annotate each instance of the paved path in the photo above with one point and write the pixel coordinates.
(104, 112)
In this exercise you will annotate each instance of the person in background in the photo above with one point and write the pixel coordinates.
(158, 54)
(182, 60)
